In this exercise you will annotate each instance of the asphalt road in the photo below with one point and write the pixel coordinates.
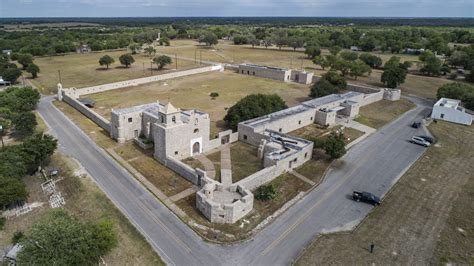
(374, 165)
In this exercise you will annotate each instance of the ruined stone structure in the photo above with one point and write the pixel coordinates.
(178, 134)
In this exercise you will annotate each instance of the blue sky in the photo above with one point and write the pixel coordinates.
(171, 8)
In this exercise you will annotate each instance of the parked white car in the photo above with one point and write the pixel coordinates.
(420, 141)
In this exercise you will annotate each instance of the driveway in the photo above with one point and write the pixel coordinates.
(374, 165)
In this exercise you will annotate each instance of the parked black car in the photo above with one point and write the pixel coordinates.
(427, 138)
(416, 125)
(366, 197)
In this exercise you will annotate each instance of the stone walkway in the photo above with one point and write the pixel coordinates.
(358, 126)
(226, 166)
(208, 165)
(184, 194)
(302, 177)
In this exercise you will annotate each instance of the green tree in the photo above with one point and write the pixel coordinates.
(61, 239)
(334, 146)
(330, 83)
(126, 60)
(134, 47)
(394, 73)
(252, 106)
(19, 99)
(431, 64)
(334, 50)
(319, 60)
(106, 60)
(358, 68)
(165, 41)
(25, 60)
(209, 38)
(343, 66)
(33, 69)
(11, 74)
(313, 51)
(265, 193)
(162, 61)
(458, 58)
(11, 162)
(349, 56)
(371, 60)
(24, 123)
(150, 50)
(11, 190)
(470, 76)
(37, 149)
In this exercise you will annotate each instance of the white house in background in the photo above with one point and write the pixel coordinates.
(450, 110)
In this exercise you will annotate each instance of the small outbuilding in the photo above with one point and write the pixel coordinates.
(451, 110)
(87, 102)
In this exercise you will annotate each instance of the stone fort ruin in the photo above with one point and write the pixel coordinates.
(178, 134)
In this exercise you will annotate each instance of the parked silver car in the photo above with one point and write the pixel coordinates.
(420, 141)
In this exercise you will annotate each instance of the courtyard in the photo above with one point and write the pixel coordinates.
(230, 86)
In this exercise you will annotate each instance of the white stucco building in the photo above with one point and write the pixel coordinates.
(451, 111)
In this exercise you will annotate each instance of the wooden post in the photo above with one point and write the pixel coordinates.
(176, 60)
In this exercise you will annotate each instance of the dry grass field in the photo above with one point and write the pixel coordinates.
(378, 114)
(425, 219)
(82, 70)
(86, 201)
(192, 92)
(226, 52)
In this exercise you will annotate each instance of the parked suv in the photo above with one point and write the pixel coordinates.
(366, 197)
(427, 138)
(420, 141)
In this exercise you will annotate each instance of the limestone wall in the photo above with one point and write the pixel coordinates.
(98, 119)
(139, 81)
(224, 137)
(265, 72)
(371, 98)
(182, 169)
(261, 177)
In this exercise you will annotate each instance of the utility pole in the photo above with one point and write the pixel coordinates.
(195, 56)
(60, 80)
(143, 68)
(200, 57)
(1, 137)
(176, 60)
(151, 67)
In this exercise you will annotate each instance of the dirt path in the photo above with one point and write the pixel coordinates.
(406, 227)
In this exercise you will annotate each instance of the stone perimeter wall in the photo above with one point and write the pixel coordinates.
(134, 82)
(98, 119)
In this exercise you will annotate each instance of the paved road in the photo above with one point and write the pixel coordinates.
(374, 164)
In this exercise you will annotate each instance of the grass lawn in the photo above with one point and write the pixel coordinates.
(163, 178)
(230, 86)
(83, 70)
(287, 186)
(378, 114)
(425, 219)
(244, 160)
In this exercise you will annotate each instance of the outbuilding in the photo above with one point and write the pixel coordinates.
(451, 110)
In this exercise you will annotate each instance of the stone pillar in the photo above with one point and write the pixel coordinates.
(60, 92)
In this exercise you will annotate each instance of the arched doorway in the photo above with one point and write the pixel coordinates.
(196, 148)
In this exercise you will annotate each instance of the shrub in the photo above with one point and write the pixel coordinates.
(334, 146)
(214, 94)
(252, 106)
(265, 193)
